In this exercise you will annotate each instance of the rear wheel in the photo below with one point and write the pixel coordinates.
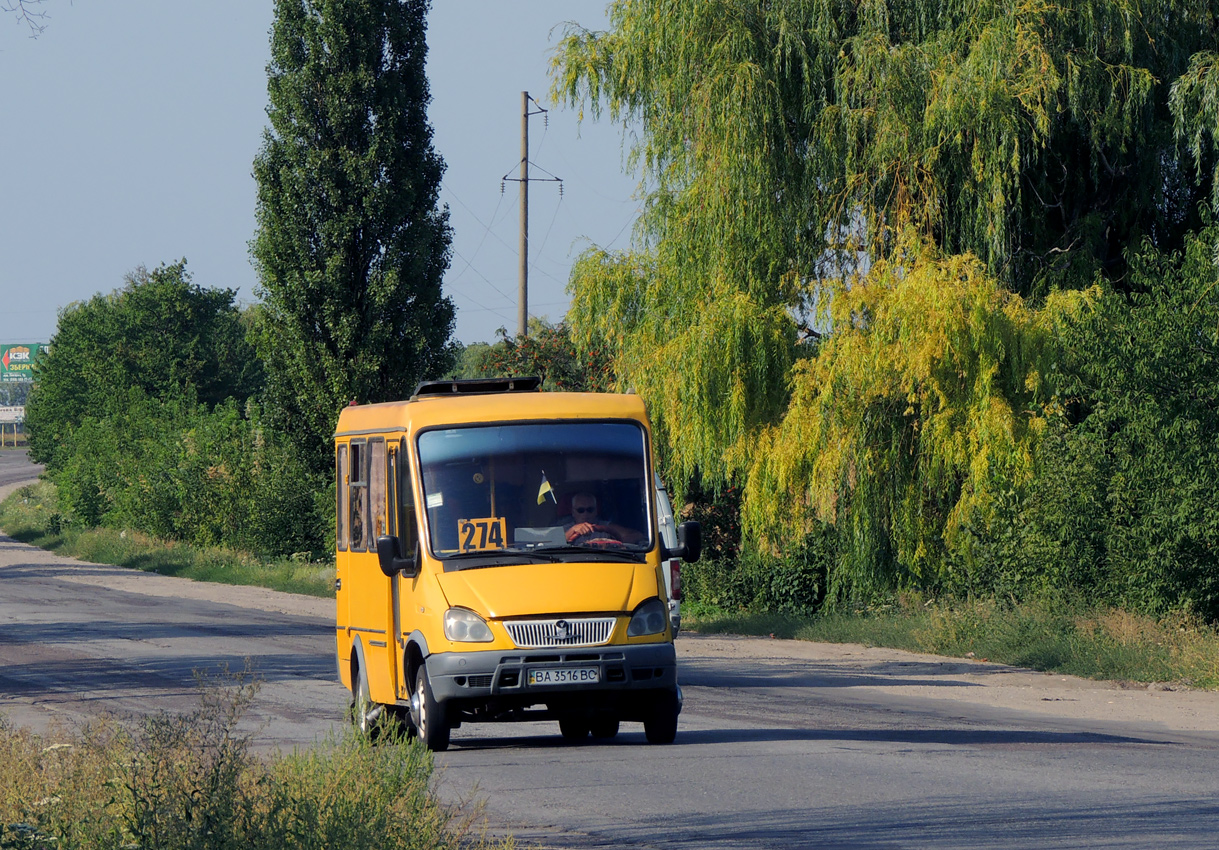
(364, 712)
(428, 715)
(660, 726)
(574, 729)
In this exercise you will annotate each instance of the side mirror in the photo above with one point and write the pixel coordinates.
(689, 543)
(389, 554)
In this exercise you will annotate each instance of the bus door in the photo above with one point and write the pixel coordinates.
(402, 524)
(342, 557)
(370, 613)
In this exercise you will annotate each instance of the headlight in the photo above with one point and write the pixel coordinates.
(650, 618)
(465, 626)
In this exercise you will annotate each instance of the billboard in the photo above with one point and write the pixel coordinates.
(17, 361)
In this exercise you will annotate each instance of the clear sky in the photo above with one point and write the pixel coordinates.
(130, 128)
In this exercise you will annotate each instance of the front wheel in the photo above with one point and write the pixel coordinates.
(428, 715)
(660, 726)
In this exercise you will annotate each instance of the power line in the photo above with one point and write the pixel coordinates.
(484, 277)
(486, 229)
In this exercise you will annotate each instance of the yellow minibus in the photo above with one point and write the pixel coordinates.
(499, 559)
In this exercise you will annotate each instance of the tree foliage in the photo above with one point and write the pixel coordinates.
(14, 393)
(911, 422)
(1036, 136)
(351, 245)
(180, 470)
(145, 413)
(848, 287)
(1125, 502)
(1194, 100)
(159, 334)
(548, 352)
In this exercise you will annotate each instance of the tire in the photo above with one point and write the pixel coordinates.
(604, 728)
(364, 712)
(574, 729)
(660, 726)
(428, 715)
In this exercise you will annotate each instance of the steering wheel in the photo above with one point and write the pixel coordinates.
(605, 543)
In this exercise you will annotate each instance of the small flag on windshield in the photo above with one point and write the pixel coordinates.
(546, 489)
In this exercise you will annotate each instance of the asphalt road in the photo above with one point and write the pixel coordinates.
(792, 752)
(781, 744)
(15, 467)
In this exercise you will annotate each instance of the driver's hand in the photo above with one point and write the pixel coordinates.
(579, 530)
(582, 528)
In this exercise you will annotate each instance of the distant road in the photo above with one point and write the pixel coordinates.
(782, 744)
(15, 466)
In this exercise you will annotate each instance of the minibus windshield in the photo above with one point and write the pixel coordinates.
(556, 489)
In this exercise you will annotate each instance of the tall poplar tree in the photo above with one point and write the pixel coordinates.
(351, 243)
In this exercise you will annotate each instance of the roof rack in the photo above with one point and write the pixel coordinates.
(478, 386)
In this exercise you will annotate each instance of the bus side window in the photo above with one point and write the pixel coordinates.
(358, 498)
(376, 491)
(340, 492)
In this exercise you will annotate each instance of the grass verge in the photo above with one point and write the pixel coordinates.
(32, 515)
(1106, 643)
(191, 781)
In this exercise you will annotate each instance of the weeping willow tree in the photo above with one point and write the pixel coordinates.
(917, 417)
(1037, 136)
(843, 287)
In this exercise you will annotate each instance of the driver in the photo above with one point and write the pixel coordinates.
(586, 525)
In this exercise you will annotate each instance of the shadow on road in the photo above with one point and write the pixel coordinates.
(85, 676)
(632, 735)
(793, 674)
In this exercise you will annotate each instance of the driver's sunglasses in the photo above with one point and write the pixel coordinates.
(584, 510)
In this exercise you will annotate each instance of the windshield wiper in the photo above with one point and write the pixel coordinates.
(492, 557)
(623, 554)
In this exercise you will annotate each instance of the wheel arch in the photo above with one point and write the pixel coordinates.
(357, 660)
(414, 655)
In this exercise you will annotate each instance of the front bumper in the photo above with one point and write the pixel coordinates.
(493, 674)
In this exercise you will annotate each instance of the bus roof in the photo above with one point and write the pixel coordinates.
(440, 410)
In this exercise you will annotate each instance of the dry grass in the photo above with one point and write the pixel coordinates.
(190, 782)
(1098, 643)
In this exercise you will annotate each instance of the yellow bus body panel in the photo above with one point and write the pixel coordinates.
(549, 589)
(365, 610)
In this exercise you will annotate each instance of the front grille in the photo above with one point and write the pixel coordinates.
(538, 634)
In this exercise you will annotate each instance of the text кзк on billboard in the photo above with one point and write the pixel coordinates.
(17, 361)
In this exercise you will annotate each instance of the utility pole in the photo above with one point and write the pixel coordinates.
(522, 306)
(522, 294)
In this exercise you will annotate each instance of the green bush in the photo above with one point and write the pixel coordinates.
(178, 470)
(791, 582)
(1125, 505)
(33, 515)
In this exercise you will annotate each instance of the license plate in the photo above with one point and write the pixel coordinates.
(565, 676)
